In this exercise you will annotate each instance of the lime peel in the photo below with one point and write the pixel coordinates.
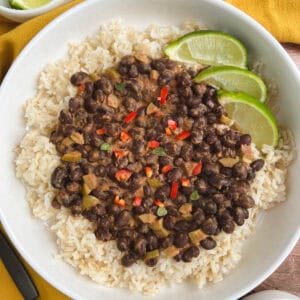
(27, 4)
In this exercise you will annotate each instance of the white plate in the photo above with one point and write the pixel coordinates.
(277, 231)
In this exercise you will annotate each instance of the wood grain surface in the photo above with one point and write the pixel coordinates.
(287, 276)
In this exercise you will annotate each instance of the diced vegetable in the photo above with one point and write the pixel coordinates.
(165, 169)
(137, 201)
(112, 73)
(152, 109)
(197, 169)
(100, 131)
(185, 209)
(67, 141)
(159, 229)
(143, 58)
(161, 211)
(171, 251)
(130, 117)
(163, 95)
(89, 201)
(113, 101)
(73, 156)
(196, 236)
(148, 172)
(86, 189)
(188, 217)
(105, 147)
(228, 161)
(189, 167)
(124, 135)
(119, 202)
(183, 135)
(119, 153)
(168, 131)
(185, 182)
(153, 144)
(247, 153)
(94, 76)
(225, 120)
(154, 183)
(123, 175)
(77, 138)
(90, 180)
(172, 124)
(120, 86)
(151, 254)
(81, 89)
(154, 74)
(159, 151)
(159, 203)
(147, 218)
(194, 196)
(174, 190)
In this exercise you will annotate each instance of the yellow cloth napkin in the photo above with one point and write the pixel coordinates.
(280, 17)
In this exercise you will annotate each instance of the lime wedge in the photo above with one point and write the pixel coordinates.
(251, 116)
(234, 80)
(27, 4)
(208, 48)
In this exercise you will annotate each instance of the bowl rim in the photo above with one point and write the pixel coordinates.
(226, 7)
(33, 11)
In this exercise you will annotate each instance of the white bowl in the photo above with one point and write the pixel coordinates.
(24, 15)
(277, 230)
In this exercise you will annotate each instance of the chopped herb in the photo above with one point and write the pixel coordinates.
(105, 147)
(154, 182)
(194, 196)
(120, 86)
(159, 151)
(161, 211)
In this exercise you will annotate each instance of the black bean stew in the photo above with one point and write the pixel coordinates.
(146, 157)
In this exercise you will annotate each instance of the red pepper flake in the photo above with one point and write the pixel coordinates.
(81, 89)
(172, 124)
(100, 131)
(166, 169)
(163, 95)
(153, 144)
(125, 137)
(168, 131)
(185, 182)
(159, 203)
(148, 171)
(137, 201)
(183, 135)
(119, 153)
(123, 175)
(131, 116)
(119, 202)
(197, 169)
(174, 190)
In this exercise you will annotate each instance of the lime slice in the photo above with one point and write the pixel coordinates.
(208, 48)
(251, 116)
(27, 4)
(234, 80)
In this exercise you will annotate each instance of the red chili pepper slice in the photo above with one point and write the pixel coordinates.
(153, 144)
(168, 131)
(131, 116)
(148, 171)
(119, 153)
(125, 137)
(172, 124)
(81, 89)
(163, 95)
(137, 201)
(183, 135)
(174, 190)
(119, 202)
(197, 169)
(166, 169)
(159, 203)
(185, 182)
(100, 131)
(123, 175)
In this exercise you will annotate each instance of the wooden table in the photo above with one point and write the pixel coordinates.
(287, 276)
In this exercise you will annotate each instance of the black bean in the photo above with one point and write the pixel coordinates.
(99, 210)
(100, 171)
(257, 165)
(73, 187)
(202, 186)
(172, 148)
(230, 139)
(219, 199)
(133, 71)
(158, 65)
(172, 211)
(163, 193)
(245, 201)
(130, 104)
(113, 129)
(76, 210)
(75, 103)
(184, 79)
(240, 170)
(181, 239)
(55, 203)
(152, 242)
(209, 226)
(143, 228)
(128, 260)
(239, 216)
(79, 78)
(180, 199)
(210, 207)
(211, 137)
(147, 202)
(228, 226)
(140, 247)
(165, 160)
(144, 68)
(251, 174)
(198, 216)
(59, 177)
(123, 243)
(185, 91)
(178, 257)
(127, 233)
(182, 225)
(219, 181)
(104, 84)
(169, 222)
(99, 96)
(65, 117)
(94, 155)
(88, 89)
(226, 171)
(190, 253)
(211, 168)
(123, 218)
(165, 77)
(151, 262)
(103, 234)
(199, 89)
(208, 243)
(90, 105)
(196, 137)
(179, 162)
(245, 139)
(186, 152)
(174, 175)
